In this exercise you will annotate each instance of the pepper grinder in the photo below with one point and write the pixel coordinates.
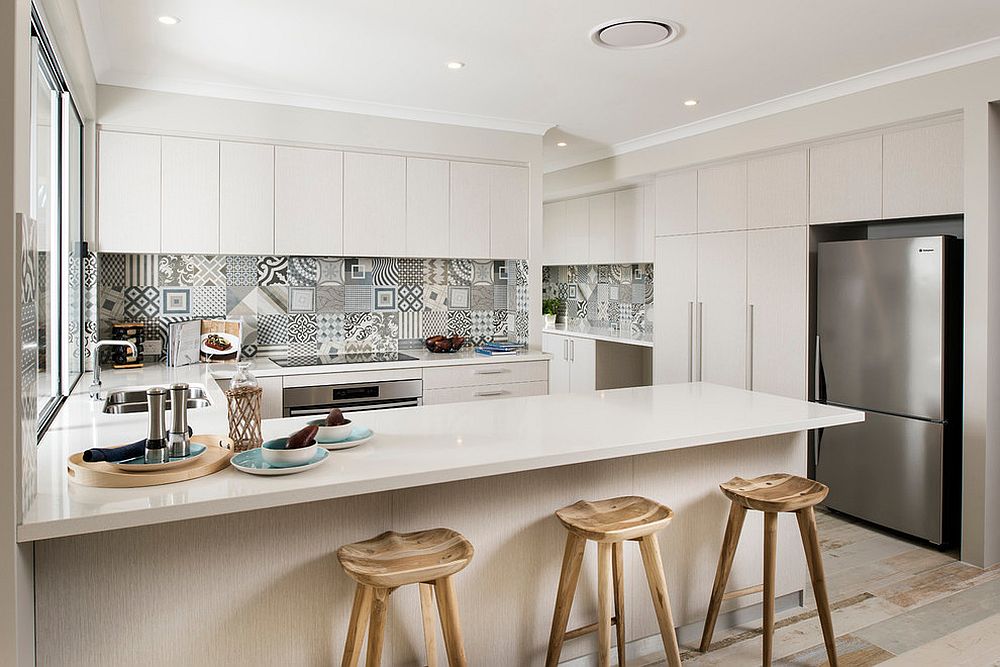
(157, 446)
(180, 442)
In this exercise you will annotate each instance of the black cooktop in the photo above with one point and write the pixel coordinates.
(330, 360)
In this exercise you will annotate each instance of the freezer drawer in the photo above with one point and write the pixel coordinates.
(887, 470)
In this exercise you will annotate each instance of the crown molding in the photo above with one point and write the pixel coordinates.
(286, 98)
(911, 69)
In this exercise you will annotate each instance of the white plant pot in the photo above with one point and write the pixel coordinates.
(550, 320)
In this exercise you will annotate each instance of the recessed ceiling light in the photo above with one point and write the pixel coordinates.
(168, 20)
(634, 33)
(455, 65)
(690, 103)
(561, 144)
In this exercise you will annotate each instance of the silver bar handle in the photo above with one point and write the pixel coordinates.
(750, 347)
(572, 350)
(690, 341)
(565, 349)
(483, 394)
(701, 339)
(497, 371)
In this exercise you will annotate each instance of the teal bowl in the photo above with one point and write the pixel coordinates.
(274, 453)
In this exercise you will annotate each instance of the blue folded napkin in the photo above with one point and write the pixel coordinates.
(115, 454)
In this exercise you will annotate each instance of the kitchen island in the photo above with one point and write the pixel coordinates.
(242, 568)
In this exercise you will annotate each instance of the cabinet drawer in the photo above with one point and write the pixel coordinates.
(475, 375)
(485, 392)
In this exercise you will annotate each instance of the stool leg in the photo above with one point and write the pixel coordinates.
(770, 561)
(652, 562)
(605, 597)
(619, 576)
(376, 631)
(570, 574)
(729, 543)
(427, 615)
(810, 542)
(448, 609)
(359, 623)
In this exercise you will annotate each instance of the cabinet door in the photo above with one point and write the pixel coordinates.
(246, 198)
(558, 347)
(845, 181)
(676, 294)
(923, 171)
(602, 228)
(722, 197)
(427, 215)
(509, 212)
(778, 190)
(777, 281)
(629, 229)
(575, 243)
(308, 201)
(374, 205)
(470, 210)
(722, 293)
(128, 192)
(189, 209)
(648, 222)
(677, 203)
(582, 365)
(553, 231)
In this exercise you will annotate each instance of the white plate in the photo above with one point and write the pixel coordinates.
(234, 344)
(253, 463)
(138, 464)
(359, 436)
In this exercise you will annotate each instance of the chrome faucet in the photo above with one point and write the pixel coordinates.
(95, 384)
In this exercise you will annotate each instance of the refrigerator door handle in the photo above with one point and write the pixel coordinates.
(701, 338)
(749, 379)
(690, 341)
(818, 372)
(819, 441)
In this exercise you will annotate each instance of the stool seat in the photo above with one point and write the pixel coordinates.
(396, 559)
(615, 519)
(775, 493)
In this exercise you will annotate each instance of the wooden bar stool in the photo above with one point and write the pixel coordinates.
(382, 564)
(771, 494)
(610, 523)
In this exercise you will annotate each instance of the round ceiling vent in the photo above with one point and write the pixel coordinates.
(635, 33)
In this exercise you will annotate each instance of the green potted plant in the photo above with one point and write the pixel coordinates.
(550, 308)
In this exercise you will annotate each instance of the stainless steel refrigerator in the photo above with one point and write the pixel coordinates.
(889, 343)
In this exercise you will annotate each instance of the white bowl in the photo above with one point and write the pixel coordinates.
(274, 453)
(332, 433)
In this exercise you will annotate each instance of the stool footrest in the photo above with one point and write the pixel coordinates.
(587, 629)
(742, 592)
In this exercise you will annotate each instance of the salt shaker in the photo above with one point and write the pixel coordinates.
(180, 442)
(157, 446)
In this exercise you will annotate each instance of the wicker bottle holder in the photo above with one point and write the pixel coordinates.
(244, 417)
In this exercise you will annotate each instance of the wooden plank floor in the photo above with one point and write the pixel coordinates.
(895, 602)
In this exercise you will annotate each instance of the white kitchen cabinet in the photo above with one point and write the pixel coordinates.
(778, 190)
(509, 212)
(566, 232)
(427, 208)
(845, 180)
(559, 366)
(189, 202)
(722, 197)
(308, 201)
(722, 297)
(777, 296)
(470, 209)
(649, 222)
(128, 192)
(922, 171)
(630, 232)
(374, 205)
(246, 198)
(602, 228)
(553, 232)
(677, 203)
(484, 393)
(676, 290)
(573, 366)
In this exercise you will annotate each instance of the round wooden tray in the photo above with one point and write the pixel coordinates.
(218, 451)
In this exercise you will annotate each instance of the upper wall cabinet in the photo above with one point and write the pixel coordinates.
(308, 201)
(470, 209)
(614, 227)
(722, 197)
(677, 203)
(246, 198)
(128, 192)
(189, 202)
(778, 190)
(427, 208)
(630, 231)
(566, 232)
(845, 180)
(602, 229)
(509, 212)
(922, 171)
(374, 205)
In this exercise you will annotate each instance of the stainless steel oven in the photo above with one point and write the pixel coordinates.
(319, 399)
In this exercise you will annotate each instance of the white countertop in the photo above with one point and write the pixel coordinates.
(626, 337)
(412, 447)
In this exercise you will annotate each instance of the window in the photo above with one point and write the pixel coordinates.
(56, 208)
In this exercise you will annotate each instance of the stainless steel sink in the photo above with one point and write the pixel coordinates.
(128, 401)
(129, 408)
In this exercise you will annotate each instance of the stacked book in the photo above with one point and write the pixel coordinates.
(498, 349)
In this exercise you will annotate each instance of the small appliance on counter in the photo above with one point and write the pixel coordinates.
(122, 356)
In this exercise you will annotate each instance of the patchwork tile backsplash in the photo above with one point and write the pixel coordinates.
(314, 305)
(606, 295)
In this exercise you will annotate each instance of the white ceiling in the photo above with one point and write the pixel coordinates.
(530, 63)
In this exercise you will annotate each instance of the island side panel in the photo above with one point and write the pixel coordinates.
(264, 587)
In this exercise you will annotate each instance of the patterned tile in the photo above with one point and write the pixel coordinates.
(302, 328)
(459, 272)
(374, 331)
(111, 270)
(303, 271)
(306, 348)
(276, 351)
(411, 272)
(434, 323)
(208, 301)
(330, 271)
(385, 298)
(385, 272)
(358, 271)
(272, 271)
(272, 330)
(272, 300)
(521, 327)
(192, 270)
(482, 272)
(500, 325)
(141, 302)
(237, 297)
(330, 327)
(435, 297)
(459, 323)
(411, 325)
(111, 304)
(459, 298)
(301, 299)
(410, 298)
(141, 270)
(330, 299)
(436, 271)
(358, 298)
(500, 272)
(481, 326)
(500, 297)
(175, 301)
(482, 297)
(241, 270)
(638, 293)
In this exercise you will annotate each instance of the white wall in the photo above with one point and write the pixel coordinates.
(970, 90)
